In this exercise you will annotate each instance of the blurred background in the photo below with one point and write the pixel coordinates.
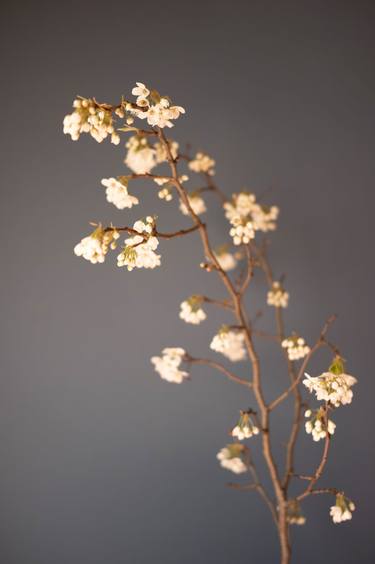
(100, 460)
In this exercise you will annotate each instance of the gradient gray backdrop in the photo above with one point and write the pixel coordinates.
(100, 461)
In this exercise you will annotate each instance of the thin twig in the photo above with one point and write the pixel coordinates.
(230, 375)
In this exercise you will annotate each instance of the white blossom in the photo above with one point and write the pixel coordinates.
(342, 510)
(89, 117)
(245, 427)
(231, 458)
(117, 193)
(191, 310)
(196, 202)
(242, 233)
(141, 91)
(168, 365)
(94, 247)
(317, 426)
(226, 260)
(139, 250)
(166, 192)
(241, 206)
(333, 386)
(161, 152)
(247, 216)
(294, 514)
(156, 109)
(277, 296)
(264, 218)
(202, 163)
(296, 347)
(230, 343)
(141, 157)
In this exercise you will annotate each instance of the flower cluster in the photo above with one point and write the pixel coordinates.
(342, 510)
(247, 216)
(227, 261)
(333, 386)
(230, 343)
(242, 233)
(231, 458)
(245, 427)
(89, 117)
(202, 163)
(264, 217)
(296, 347)
(240, 208)
(161, 154)
(317, 425)
(117, 193)
(196, 202)
(141, 157)
(155, 108)
(139, 250)
(168, 365)
(277, 296)
(294, 513)
(94, 247)
(191, 310)
(167, 183)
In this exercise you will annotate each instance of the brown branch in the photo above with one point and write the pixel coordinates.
(226, 304)
(155, 233)
(249, 270)
(333, 491)
(213, 364)
(256, 381)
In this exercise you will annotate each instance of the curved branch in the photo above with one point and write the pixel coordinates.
(191, 360)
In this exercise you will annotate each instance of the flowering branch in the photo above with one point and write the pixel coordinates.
(247, 215)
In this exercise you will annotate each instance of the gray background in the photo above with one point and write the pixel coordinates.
(100, 461)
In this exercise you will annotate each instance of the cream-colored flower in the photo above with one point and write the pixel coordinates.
(296, 347)
(202, 163)
(168, 365)
(230, 343)
(117, 193)
(191, 310)
(90, 117)
(342, 510)
(139, 250)
(196, 202)
(231, 458)
(316, 424)
(277, 296)
(94, 247)
(140, 157)
(245, 427)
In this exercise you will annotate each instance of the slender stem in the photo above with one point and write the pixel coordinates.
(256, 485)
(257, 387)
(230, 375)
(221, 303)
(156, 233)
(322, 463)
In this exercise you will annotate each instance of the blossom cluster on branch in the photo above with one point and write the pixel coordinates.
(235, 262)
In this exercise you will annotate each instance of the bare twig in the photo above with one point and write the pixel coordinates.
(230, 375)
